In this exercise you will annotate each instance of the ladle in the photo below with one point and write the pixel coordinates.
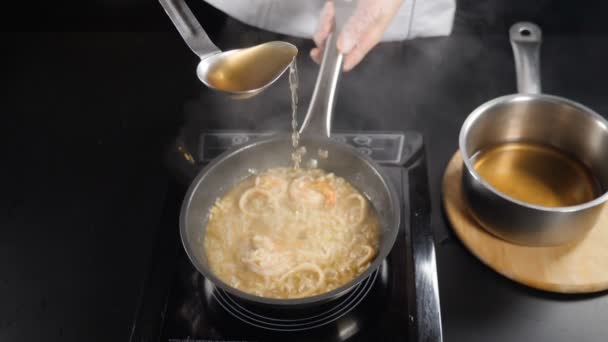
(243, 72)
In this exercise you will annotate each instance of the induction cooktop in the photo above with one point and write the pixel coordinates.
(397, 302)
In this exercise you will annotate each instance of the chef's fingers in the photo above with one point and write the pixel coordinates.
(316, 54)
(360, 33)
(326, 23)
(325, 26)
(360, 50)
(364, 29)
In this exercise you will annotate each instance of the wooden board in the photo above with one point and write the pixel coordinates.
(580, 267)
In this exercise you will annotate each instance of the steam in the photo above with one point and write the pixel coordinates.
(382, 93)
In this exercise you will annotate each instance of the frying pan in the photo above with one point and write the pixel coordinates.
(345, 161)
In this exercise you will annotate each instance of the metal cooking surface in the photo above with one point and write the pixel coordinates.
(383, 147)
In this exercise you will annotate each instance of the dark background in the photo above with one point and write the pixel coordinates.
(93, 92)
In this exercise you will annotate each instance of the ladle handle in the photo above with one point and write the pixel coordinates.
(526, 39)
(189, 28)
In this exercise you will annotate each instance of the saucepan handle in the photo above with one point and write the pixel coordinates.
(526, 39)
(189, 28)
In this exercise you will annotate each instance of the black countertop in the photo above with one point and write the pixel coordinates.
(87, 116)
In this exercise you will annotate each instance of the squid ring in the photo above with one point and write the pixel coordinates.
(247, 195)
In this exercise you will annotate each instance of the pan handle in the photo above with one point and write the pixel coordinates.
(526, 39)
(321, 108)
(189, 28)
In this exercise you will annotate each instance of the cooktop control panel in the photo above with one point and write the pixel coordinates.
(384, 147)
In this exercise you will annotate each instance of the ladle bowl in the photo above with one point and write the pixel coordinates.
(242, 73)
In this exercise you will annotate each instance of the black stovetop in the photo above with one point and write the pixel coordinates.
(397, 302)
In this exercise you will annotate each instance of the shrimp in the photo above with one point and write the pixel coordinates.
(271, 183)
(328, 191)
(266, 257)
(313, 192)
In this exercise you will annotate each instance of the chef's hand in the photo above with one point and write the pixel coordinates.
(362, 31)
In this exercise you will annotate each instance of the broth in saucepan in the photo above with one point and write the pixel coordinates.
(536, 174)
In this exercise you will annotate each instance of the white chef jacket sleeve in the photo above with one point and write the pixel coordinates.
(416, 18)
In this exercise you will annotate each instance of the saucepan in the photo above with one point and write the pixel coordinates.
(565, 128)
(234, 165)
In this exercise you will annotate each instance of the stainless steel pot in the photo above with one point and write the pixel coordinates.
(232, 166)
(537, 118)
